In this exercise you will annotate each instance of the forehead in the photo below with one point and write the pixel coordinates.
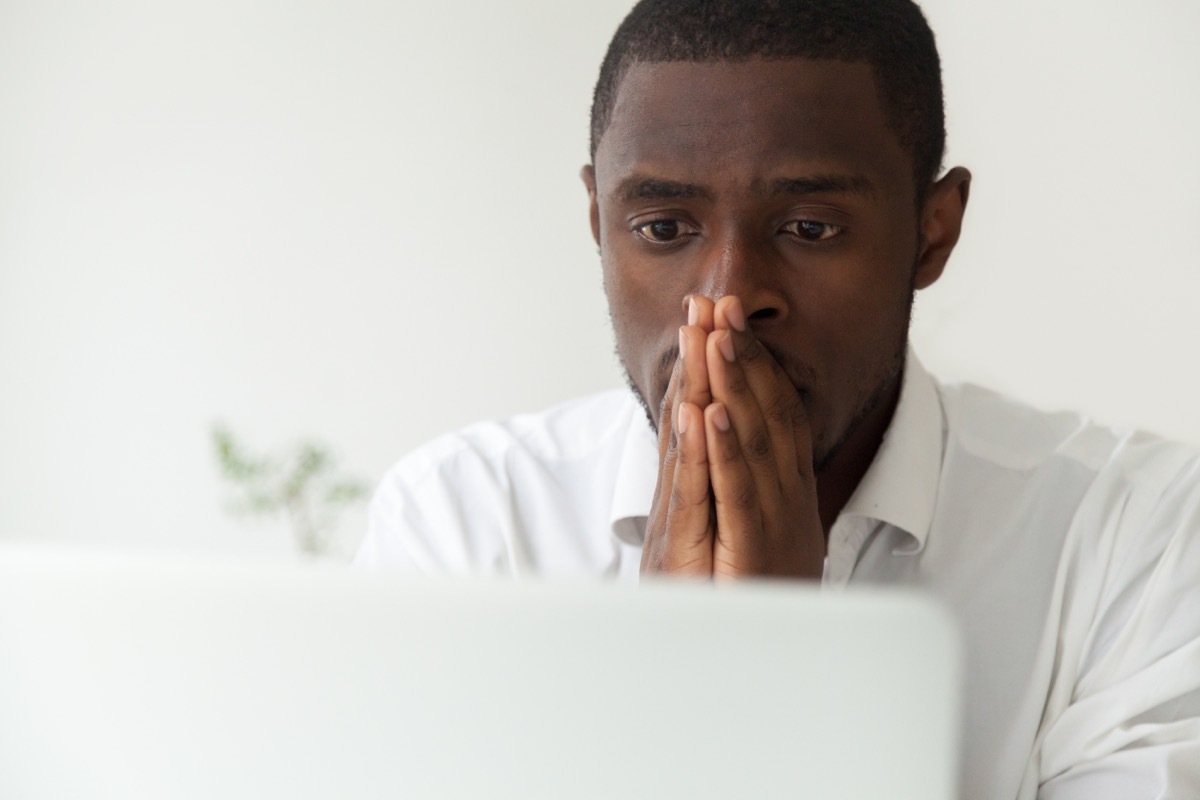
(749, 122)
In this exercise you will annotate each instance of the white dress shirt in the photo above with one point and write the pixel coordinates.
(1069, 552)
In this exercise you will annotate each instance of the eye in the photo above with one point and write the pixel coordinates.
(663, 231)
(811, 230)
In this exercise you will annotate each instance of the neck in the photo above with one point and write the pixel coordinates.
(837, 482)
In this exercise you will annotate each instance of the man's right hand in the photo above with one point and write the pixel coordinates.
(682, 523)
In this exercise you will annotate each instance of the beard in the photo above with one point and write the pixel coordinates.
(825, 453)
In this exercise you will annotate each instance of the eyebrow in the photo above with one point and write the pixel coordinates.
(643, 188)
(823, 184)
(639, 187)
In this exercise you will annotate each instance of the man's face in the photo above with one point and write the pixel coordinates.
(780, 182)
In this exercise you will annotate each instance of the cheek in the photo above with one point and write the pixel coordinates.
(631, 311)
(645, 312)
(643, 295)
(625, 299)
(854, 292)
(859, 311)
(876, 280)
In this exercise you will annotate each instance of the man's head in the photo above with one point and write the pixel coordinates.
(783, 152)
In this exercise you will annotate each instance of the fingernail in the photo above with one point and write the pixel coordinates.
(682, 425)
(725, 345)
(693, 311)
(720, 417)
(682, 344)
(733, 312)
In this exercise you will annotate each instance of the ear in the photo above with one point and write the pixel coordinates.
(588, 174)
(941, 223)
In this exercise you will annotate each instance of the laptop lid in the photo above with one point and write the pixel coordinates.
(141, 679)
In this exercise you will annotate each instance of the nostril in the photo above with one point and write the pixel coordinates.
(764, 314)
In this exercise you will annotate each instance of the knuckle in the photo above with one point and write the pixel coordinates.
(683, 501)
(758, 446)
(736, 383)
(753, 352)
(664, 411)
(727, 452)
(690, 460)
(796, 408)
(668, 399)
(778, 410)
(757, 355)
(743, 497)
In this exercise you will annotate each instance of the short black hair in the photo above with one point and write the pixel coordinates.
(891, 36)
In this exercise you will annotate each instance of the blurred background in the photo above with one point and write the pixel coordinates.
(360, 223)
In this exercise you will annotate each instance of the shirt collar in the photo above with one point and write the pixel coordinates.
(899, 488)
(637, 477)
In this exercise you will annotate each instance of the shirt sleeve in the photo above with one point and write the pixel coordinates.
(1132, 728)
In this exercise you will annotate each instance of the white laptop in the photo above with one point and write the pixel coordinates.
(124, 679)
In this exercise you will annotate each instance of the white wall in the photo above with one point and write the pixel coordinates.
(1077, 282)
(362, 222)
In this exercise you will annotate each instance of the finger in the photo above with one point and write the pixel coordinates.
(761, 448)
(693, 381)
(728, 314)
(689, 381)
(667, 448)
(693, 386)
(738, 546)
(689, 525)
(778, 399)
(655, 539)
(699, 311)
(666, 413)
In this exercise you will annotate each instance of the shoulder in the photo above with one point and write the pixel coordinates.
(1112, 515)
(1015, 436)
(568, 431)
(1078, 502)
(478, 499)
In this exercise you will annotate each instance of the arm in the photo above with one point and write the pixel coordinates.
(1130, 729)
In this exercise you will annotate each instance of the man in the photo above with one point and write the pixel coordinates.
(767, 195)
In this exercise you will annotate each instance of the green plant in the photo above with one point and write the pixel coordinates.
(302, 485)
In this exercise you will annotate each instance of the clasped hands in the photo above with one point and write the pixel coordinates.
(736, 494)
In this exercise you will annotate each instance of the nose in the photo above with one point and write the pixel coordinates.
(736, 266)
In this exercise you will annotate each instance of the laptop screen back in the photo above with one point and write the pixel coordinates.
(150, 680)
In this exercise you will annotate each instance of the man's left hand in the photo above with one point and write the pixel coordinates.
(759, 449)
